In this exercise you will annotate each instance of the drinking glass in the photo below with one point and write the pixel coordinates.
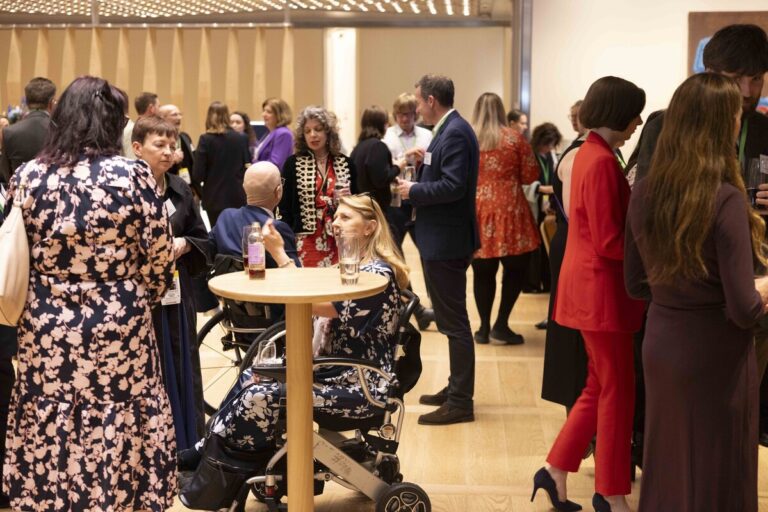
(409, 172)
(349, 258)
(754, 179)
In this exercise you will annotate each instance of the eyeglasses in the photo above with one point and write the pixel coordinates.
(368, 195)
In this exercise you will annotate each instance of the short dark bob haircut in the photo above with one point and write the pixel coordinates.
(611, 102)
(147, 125)
(373, 123)
(741, 49)
(88, 122)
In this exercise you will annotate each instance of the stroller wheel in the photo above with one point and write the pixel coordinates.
(404, 497)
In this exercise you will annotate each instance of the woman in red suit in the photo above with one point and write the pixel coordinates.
(591, 297)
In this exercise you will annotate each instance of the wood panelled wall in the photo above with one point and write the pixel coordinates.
(189, 67)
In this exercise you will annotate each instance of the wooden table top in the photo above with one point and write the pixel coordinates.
(296, 286)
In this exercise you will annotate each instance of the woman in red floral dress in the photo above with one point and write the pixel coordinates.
(508, 232)
(311, 175)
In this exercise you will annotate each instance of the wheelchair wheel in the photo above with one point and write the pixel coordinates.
(404, 497)
(220, 359)
(275, 333)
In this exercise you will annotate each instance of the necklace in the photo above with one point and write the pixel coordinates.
(321, 164)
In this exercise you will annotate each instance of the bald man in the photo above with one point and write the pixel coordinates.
(183, 158)
(263, 190)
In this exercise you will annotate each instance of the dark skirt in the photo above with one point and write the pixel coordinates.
(701, 413)
(565, 358)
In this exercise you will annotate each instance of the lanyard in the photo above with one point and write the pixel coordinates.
(620, 159)
(402, 142)
(743, 140)
(544, 169)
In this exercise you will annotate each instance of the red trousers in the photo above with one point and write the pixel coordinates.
(606, 407)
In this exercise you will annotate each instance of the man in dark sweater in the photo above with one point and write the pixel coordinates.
(740, 52)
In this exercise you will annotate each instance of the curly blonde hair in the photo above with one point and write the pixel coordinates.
(327, 120)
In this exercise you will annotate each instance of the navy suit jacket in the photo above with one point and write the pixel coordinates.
(444, 197)
(226, 235)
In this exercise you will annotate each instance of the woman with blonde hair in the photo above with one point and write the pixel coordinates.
(277, 145)
(220, 161)
(316, 174)
(361, 328)
(508, 232)
(692, 243)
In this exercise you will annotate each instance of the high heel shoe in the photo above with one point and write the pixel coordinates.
(543, 480)
(600, 504)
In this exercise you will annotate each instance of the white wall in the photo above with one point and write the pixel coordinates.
(644, 41)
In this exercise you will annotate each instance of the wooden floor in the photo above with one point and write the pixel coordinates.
(486, 465)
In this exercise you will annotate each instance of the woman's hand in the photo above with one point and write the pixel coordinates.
(274, 243)
(180, 247)
(546, 189)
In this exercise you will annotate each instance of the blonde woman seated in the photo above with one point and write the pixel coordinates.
(361, 328)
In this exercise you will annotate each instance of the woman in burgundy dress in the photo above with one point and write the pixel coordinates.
(311, 177)
(691, 244)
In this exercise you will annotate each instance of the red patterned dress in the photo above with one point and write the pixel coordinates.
(318, 249)
(504, 218)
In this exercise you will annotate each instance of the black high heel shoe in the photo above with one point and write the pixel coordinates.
(600, 504)
(543, 480)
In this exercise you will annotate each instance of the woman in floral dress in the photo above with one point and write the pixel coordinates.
(311, 177)
(361, 328)
(90, 426)
(508, 232)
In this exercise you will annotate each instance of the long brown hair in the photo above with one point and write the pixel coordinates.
(488, 120)
(693, 157)
(380, 246)
(217, 120)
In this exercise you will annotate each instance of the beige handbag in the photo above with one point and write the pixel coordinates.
(14, 262)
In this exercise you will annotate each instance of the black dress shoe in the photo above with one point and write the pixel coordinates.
(425, 317)
(506, 336)
(600, 504)
(4, 501)
(481, 337)
(438, 398)
(543, 480)
(447, 415)
(542, 325)
(764, 438)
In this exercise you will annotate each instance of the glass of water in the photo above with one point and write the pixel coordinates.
(349, 258)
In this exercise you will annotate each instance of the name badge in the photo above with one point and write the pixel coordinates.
(427, 158)
(169, 207)
(173, 295)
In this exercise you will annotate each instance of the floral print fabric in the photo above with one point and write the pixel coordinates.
(90, 427)
(365, 329)
(505, 220)
(319, 248)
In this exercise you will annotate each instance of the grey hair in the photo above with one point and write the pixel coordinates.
(327, 120)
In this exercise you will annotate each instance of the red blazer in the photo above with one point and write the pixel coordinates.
(590, 293)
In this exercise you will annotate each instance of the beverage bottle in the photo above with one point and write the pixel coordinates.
(256, 256)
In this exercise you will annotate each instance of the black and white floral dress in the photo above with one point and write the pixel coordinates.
(90, 426)
(364, 329)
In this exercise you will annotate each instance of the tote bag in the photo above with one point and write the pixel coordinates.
(14, 262)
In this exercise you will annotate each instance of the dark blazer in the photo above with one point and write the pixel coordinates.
(188, 162)
(220, 161)
(226, 235)
(22, 142)
(444, 197)
(757, 139)
(373, 164)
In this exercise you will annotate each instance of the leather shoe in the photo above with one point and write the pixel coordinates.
(425, 317)
(447, 415)
(764, 438)
(481, 337)
(4, 501)
(438, 398)
(506, 336)
(542, 325)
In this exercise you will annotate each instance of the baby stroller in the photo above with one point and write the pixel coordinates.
(366, 462)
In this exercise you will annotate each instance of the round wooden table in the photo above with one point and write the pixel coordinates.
(298, 289)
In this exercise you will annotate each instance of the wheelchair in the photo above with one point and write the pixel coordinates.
(228, 335)
(367, 460)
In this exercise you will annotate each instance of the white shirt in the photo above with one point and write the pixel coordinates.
(399, 142)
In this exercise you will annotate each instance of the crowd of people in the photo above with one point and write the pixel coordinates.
(655, 309)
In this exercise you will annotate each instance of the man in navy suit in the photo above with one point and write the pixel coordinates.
(446, 235)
